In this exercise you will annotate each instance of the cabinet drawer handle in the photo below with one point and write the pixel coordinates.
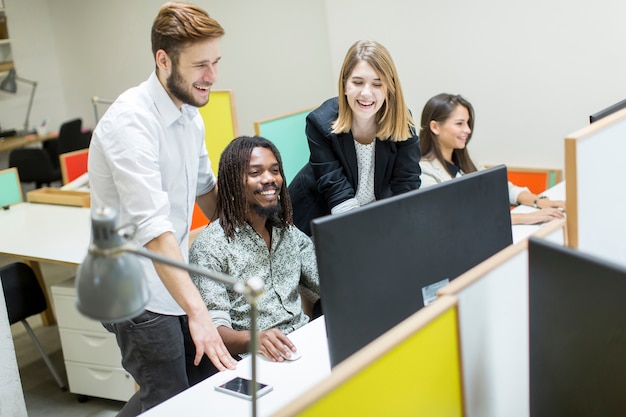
(100, 374)
(94, 341)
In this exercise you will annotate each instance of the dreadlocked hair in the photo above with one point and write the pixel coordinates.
(232, 207)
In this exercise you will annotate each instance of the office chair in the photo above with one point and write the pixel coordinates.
(52, 147)
(34, 165)
(71, 138)
(25, 298)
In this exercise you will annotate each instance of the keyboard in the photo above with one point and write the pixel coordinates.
(8, 133)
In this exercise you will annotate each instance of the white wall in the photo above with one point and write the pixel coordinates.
(533, 70)
(35, 56)
(274, 54)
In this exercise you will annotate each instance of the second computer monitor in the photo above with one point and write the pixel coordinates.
(380, 263)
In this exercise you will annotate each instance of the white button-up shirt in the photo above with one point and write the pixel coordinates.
(148, 161)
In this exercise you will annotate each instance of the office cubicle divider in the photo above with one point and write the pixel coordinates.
(493, 328)
(73, 164)
(220, 123)
(413, 369)
(287, 131)
(594, 172)
(577, 331)
(11, 187)
(536, 179)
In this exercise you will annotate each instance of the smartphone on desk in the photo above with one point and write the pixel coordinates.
(242, 387)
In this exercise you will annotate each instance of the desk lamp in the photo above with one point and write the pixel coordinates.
(9, 84)
(110, 286)
(95, 100)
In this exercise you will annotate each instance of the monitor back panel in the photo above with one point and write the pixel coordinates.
(375, 261)
(577, 322)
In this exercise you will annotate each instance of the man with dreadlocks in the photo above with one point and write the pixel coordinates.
(255, 237)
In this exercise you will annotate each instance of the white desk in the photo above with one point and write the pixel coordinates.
(522, 231)
(289, 379)
(45, 233)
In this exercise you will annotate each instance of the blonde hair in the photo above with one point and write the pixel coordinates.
(394, 120)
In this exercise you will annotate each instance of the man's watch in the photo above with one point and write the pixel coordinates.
(541, 197)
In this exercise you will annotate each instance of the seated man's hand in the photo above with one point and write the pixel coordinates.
(275, 345)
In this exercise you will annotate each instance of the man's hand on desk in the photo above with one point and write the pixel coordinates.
(275, 346)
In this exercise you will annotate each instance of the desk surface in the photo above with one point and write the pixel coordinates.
(14, 142)
(289, 379)
(45, 232)
(522, 231)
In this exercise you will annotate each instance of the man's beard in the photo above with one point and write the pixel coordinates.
(176, 86)
(268, 211)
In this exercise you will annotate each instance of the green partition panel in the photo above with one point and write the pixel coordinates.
(10, 188)
(287, 133)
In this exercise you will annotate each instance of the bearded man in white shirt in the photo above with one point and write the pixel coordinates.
(148, 161)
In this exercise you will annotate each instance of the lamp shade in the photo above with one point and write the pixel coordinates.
(9, 84)
(110, 283)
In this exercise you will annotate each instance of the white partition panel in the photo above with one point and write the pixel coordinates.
(596, 195)
(493, 322)
(493, 326)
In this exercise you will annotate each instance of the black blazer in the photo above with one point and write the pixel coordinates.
(331, 175)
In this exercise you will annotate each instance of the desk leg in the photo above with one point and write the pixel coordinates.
(47, 316)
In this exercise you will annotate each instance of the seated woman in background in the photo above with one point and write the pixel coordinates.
(446, 129)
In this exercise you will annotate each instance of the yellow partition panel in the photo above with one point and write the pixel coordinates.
(412, 370)
(220, 121)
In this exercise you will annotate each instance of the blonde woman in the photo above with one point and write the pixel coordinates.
(363, 143)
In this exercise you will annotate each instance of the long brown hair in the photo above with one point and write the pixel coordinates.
(393, 119)
(439, 108)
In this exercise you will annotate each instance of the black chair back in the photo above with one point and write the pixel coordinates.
(22, 292)
(71, 137)
(34, 165)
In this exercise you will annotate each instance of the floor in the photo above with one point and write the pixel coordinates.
(42, 395)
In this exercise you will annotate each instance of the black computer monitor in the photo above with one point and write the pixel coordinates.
(375, 261)
(609, 110)
(577, 323)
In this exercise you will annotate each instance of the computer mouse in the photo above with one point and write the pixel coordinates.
(294, 356)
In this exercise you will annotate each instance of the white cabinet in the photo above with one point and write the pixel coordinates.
(92, 357)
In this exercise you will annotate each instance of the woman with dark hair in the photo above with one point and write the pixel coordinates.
(363, 143)
(446, 129)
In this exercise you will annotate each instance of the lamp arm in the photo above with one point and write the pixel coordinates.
(252, 290)
(108, 243)
(214, 275)
(95, 100)
(30, 102)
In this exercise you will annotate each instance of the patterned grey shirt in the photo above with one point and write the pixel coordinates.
(290, 262)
